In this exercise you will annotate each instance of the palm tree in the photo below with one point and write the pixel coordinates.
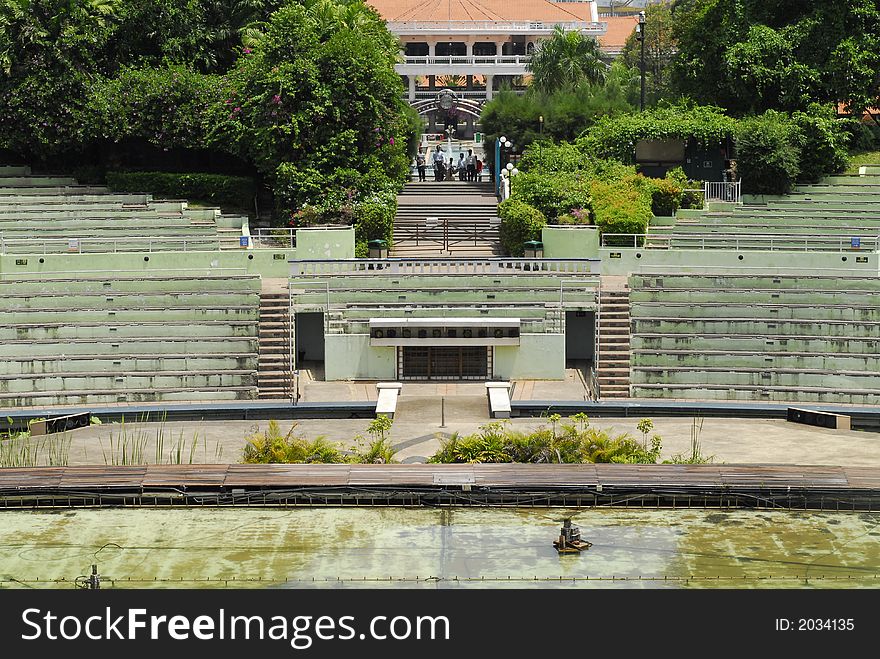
(565, 60)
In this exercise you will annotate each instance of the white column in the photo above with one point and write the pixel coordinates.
(469, 49)
(499, 46)
(489, 79)
(412, 88)
(594, 12)
(432, 49)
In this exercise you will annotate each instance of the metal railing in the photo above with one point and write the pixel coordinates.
(443, 266)
(464, 60)
(103, 245)
(740, 242)
(280, 238)
(499, 27)
(722, 191)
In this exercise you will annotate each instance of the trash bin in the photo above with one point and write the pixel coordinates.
(533, 249)
(378, 249)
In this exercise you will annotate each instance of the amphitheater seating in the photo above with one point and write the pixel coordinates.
(89, 338)
(820, 217)
(40, 214)
(353, 299)
(756, 337)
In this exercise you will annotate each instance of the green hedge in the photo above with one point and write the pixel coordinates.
(236, 191)
(768, 149)
(554, 195)
(622, 206)
(519, 223)
(373, 221)
(825, 140)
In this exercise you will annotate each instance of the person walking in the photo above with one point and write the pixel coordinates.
(439, 168)
(479, 169)
(462, 167)
(420, 164)
(450, 174)
(471, 164)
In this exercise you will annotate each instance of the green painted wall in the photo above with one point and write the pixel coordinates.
(562, 242)
(704, 261)
(537, 357)
(350, 357)
(325, 243)
(265, 262)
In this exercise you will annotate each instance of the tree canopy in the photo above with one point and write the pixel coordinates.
(565, 60)
(304, 92)
(752, 55)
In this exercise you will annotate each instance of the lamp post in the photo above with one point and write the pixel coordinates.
(501, 144)
(641, 32)
(540, 135)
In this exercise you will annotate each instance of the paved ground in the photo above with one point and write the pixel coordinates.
(418, 431)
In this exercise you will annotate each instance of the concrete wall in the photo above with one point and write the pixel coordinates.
(537, 357)
(268, 263)
(564, 242)
(618, 261)
(350, 357)
(325, 243)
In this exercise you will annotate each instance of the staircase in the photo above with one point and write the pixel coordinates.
(274, 379)
(612, 371)
(451, 218)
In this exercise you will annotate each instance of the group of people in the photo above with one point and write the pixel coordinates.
(469, 167)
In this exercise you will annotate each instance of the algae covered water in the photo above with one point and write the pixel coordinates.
(438, 548)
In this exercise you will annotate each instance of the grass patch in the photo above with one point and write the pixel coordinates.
(860, 159)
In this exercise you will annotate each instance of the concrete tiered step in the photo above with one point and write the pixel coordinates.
(452, 218)
(274, 378)
(613, 369)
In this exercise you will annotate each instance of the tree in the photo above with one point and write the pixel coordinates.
(753, 55)
(566, 59)
(317, 107)
(567, 112)
(660, 48)
(768, 153)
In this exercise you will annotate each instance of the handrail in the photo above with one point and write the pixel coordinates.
(66, 274)
(103, 244)
(740, 241)
(431, 60)
(723, 191)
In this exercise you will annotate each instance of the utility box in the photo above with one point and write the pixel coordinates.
(533, 249)
(378, 249)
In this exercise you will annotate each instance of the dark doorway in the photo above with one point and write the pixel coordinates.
(444, 363)
(309, 333)
(580, 338)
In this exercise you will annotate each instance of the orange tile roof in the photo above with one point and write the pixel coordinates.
(617, 31)
(481, 10)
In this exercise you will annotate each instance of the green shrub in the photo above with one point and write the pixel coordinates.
(271, 446)
(665, 196)
(519, 223)
(616, 137)
(374, 221)
(562, 443)
(768, 149)
(167, 106)
(553, 195)
(622, 206)
(824, 142)
(235, 191)
(691, 195)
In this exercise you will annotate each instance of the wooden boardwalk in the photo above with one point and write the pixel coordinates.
(789, 486)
